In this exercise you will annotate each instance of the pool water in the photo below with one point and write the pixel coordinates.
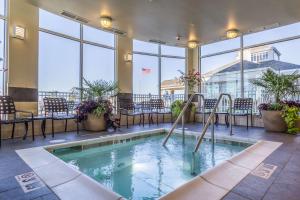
(144, 169)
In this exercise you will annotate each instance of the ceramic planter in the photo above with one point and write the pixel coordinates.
(273, 121)
(94, 123)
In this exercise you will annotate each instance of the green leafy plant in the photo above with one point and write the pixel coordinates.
(291, 116)
(96, 98)
(98, 90)
(278, 85)
(177, 106)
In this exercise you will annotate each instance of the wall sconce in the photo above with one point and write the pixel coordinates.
(128, 57)
(19, 32)
(106, 22)
(232, 33)
(192, 44)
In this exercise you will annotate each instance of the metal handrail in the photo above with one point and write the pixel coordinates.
(182, 114)
(211, 117)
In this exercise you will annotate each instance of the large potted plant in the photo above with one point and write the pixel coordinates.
(96, 104)
(278, 87)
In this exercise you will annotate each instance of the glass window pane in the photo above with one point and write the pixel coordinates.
(221, 74)
(2, 7)
(170, 75)
(146, 47)
(281, 57)
(98, 36)
(145, 74)
(272, 34)
(220, 46)
(2, 37)
(58, 63)
(98, 63)
(59, 24)
(172, 51)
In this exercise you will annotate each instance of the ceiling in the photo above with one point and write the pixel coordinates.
(201, 20)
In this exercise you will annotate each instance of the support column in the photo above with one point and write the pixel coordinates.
(23, 55)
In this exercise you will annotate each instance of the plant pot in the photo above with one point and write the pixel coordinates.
(93, 123)
(273, 121)
(297, 125)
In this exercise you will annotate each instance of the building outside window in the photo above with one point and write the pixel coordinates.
(60, 56)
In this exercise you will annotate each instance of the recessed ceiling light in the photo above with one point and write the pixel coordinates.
(192, 44)
(232, 33)
(106, 21)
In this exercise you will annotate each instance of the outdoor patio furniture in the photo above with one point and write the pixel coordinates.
(127, 108)
(9, 115)
(158, 107)
(243, 107)
(209, 104)
(57, 109)
(147, 110)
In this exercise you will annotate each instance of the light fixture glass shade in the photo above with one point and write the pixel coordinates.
(19, 32)
(232, 33)
(192, 44)
(128, 57)
(106, 22)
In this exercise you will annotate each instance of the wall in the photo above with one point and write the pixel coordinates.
(23, 55)
(124, 69)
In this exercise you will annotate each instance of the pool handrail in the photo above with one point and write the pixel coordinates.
(181, 116)
(211, 117)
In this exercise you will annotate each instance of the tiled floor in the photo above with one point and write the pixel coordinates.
(283, 184)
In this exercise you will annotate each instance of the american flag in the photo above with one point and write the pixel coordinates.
(146, 71)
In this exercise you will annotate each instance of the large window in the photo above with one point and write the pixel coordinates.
(59, 24)
(98, 63)
(274, 49)
(2, 45)
(156, 68)
(221, 74)
(2, 7)
(145, 74)
(58, 63)
(62, 63)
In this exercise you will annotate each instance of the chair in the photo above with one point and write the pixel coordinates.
(146, 109)
(209, 104)
(158, 107)
(9, 112)
(243, 107)
(127, 108)
(57, 109)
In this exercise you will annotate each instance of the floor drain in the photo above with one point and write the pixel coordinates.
(56, 141)
(264, 170)
(29, 181)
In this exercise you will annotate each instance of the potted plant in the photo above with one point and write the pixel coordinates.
(279, 87)
(177, 106)
(91, 111)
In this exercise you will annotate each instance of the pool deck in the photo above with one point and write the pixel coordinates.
(284, 183)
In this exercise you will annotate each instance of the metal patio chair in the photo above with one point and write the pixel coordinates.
(57, 109)
(158, 108)
(243, 107)
(209, 104)
(9, 115)
(128, 109)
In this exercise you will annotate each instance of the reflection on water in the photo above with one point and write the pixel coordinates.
(143, 169)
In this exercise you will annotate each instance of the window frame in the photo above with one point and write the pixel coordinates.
(159, 55)
(82, 42)
(5, 50)
(256, 56)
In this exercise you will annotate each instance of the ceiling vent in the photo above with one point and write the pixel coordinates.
(68, 14)
(73, 16)
(157, 41)
(117, 31)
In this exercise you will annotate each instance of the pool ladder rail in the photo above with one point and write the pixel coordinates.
(210, 119)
